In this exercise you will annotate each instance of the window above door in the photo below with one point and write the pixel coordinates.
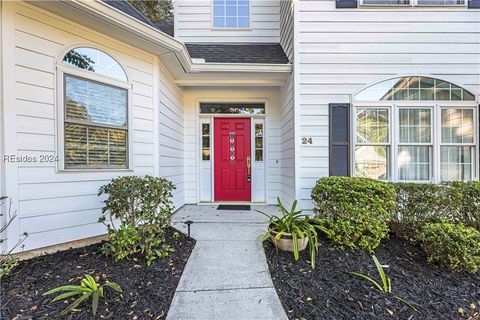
(231, 14)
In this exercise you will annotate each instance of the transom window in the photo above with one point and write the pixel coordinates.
(95, 112)
(231, 14)
(233, 108)
(413, 2)
(415, 135)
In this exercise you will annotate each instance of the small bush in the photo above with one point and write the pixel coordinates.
(142, 207)
(451, 246)
(7, 260)
(356, 210)
(420, 203)
(468, 207)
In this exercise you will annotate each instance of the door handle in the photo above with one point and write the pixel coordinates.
(249, 165)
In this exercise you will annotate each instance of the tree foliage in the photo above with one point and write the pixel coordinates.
(155, 10)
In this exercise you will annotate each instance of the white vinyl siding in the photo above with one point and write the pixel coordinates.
(341, 51)
(194, 23)
(287, 142)
(286, 27)
(171, 131)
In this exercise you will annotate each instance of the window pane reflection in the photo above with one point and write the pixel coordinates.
(413, 163)
(372, 162)
(456, 163)
(95, 60)
(372, 125)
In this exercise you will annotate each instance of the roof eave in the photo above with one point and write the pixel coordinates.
(152, 38)
(241, 67)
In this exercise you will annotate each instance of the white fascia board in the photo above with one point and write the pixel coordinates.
(241, 67)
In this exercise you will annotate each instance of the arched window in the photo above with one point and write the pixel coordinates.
(414, 89)
(94, 60)
(415, 129)
(95, 111)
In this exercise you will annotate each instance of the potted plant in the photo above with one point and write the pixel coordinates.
(292, 231)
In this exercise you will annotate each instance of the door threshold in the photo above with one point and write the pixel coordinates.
(231, 203)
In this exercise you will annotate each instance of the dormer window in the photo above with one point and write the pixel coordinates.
(231, 14)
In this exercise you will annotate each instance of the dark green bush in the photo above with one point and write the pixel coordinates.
(356, 210)
(467, 206)
(142, 208)
(420, 203)
(451, 246)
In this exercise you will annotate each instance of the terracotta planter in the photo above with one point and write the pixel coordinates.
(285, 243)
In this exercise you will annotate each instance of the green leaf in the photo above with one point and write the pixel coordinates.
(65, 288)
(75, 304)
(368, 279)
(383, 277)
(66, 295)
(114, 286)
(95, 298)
(408, 304)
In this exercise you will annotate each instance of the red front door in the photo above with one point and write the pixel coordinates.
(232, 159)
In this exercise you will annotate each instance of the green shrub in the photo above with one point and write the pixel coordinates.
(420, 203)
(356, 210)
(142, 207)
(451, 246)
(467, 207)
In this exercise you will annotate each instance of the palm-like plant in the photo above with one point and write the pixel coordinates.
(296, 224)
(88, 288)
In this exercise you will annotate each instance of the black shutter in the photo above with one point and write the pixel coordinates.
(339, 139)
(347, 3)
(474, 4)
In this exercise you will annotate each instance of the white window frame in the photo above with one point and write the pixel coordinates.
(474, 144)
(67, 70)
(212, 18)
(397, 107)
(412, 3)
(394, 130)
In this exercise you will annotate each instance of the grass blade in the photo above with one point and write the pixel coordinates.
(368, 279)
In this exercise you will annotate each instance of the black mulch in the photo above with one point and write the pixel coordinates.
(329, 292)
(147, 291)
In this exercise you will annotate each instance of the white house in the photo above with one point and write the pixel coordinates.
(233, 101)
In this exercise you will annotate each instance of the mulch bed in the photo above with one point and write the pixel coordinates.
(147, 291)
(329, 292)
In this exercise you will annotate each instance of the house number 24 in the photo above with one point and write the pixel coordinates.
(307, 140)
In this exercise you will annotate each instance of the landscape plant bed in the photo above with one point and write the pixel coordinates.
(330, 292)
(147, 291)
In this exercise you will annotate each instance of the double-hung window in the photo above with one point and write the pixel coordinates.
(231, 14)
(415, 129)
(95, 111)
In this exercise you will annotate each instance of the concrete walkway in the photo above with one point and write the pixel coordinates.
(226, 277)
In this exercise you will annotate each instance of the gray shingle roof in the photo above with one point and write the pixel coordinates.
(165, 26)
(238, 52)
(212, 52)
